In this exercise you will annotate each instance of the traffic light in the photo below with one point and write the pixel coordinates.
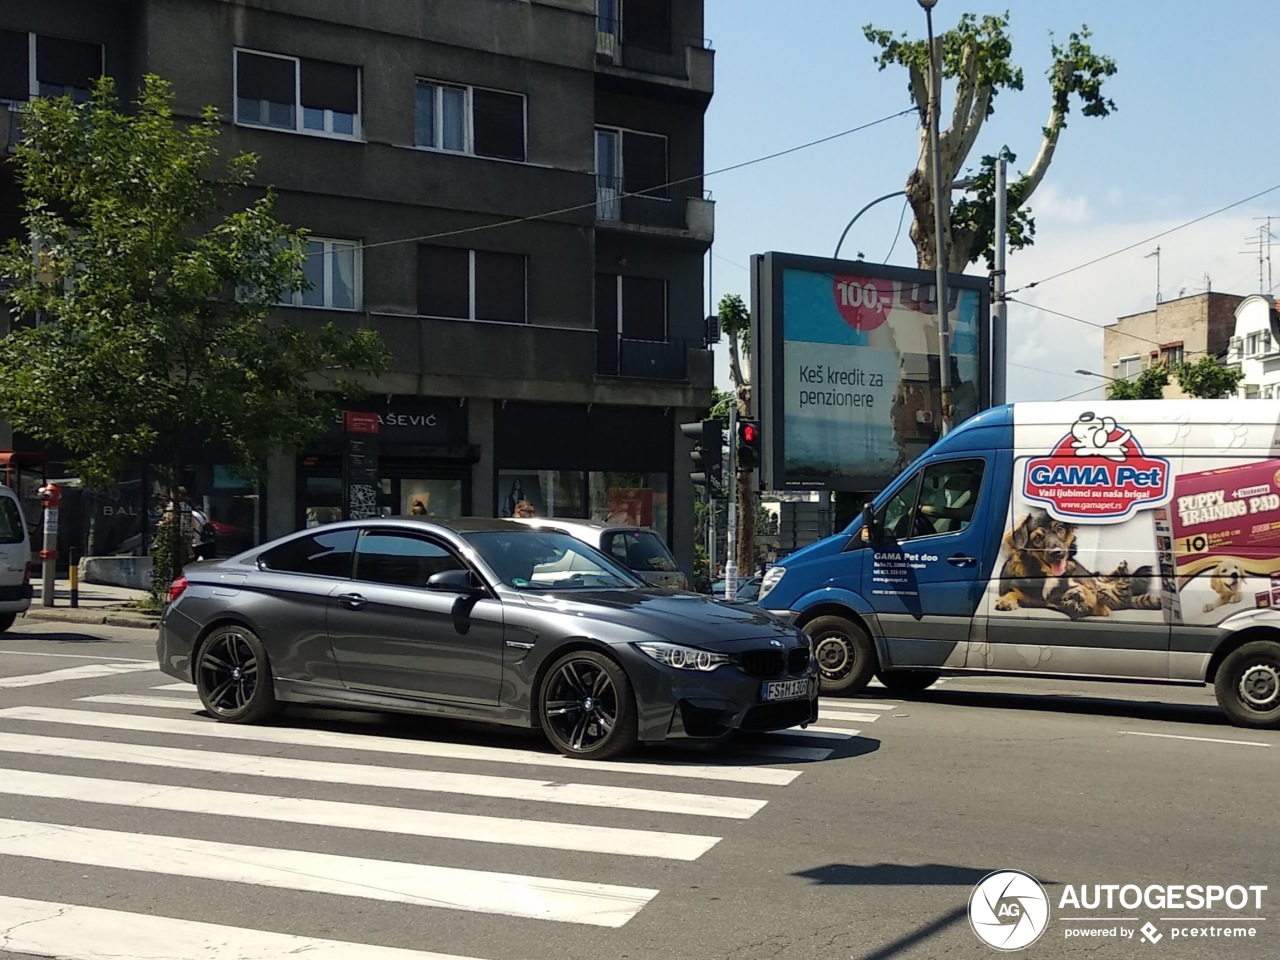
(748, 444)
(707, 454)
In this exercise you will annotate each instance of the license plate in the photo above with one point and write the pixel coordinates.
(785, 690)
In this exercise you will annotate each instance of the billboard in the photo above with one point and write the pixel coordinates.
(846, 365)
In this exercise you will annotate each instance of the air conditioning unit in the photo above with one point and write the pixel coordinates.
(713, 330)
(924, 416)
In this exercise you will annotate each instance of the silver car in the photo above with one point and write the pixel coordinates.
(640, 549)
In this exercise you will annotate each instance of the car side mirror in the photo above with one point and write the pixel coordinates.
(870, 534)
(454, 581)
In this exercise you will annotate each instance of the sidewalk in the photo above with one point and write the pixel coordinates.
(98, 603)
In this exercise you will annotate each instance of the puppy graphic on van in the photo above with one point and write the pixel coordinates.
(1093, 437)
(1041, 570)
(1227, 579)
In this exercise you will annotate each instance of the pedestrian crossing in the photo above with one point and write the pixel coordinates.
(141, 784)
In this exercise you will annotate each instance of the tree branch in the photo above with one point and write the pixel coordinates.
(1040, 166)
(966, 87)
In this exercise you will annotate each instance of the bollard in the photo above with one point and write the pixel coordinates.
(51, 497)
(73, 575)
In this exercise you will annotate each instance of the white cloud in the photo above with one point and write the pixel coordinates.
(1049, 204)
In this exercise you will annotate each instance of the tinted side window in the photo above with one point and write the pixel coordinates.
(639, 550)
(402, 559)
(10, 521)
(321, 554)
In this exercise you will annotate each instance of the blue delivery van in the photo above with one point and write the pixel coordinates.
(1133, 540)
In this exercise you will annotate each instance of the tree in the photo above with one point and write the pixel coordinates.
(1147, 385)
(1208, 379)
(735, 321)
(142, 322)
(976, 54)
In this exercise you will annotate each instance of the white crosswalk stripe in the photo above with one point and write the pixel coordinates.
(86, 672)
(133, 753)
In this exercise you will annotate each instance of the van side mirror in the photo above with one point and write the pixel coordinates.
(870, 534)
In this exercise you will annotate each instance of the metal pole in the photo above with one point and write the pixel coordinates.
(731, 533)
(999, 306)
(939, 246)
(849, 225)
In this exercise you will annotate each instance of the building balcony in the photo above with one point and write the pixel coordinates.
(681, 67)
(691, 218)
(674, 359)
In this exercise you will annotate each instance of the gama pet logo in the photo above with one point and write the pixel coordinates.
(1097, 473)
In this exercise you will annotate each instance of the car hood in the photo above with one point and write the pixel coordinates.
(687, 618)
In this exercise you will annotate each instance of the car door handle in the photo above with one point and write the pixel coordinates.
(960, 560)
(352, 600)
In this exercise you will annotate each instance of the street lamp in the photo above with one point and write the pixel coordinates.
(1090, 373)
(962, 184)
(939, 247)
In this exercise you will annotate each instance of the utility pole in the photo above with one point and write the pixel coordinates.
(939, 245)
(731, 533)
(999, 306)
(1156, 253)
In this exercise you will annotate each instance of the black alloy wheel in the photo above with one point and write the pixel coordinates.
(1248, 685)
(587, 707)
(233, 676)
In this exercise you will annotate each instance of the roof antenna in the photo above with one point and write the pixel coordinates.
(1155, 253)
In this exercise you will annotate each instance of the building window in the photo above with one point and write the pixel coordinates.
(484, 123)
(1127, 367)
(1172, 355)
(635, 308)
(332, 269)
(629, 162)
(1251, 391)
(647, 24)
(61, 67)
(292, 93)
(471, 284)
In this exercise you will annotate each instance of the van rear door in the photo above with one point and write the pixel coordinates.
(14, 549)
(927, 575)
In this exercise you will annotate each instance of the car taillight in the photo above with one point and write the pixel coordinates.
(26, 575)
(176, 588)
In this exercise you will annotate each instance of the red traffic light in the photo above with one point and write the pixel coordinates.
(750, 433)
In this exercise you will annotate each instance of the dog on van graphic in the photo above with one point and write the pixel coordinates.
(1227, 579)
(1093, 437)
(1041, 570)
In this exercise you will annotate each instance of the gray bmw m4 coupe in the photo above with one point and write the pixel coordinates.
(480, 619)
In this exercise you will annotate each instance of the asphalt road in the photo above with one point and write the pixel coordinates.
(122, 808)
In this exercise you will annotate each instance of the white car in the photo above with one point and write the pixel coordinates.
(639, 549)
(15, 557)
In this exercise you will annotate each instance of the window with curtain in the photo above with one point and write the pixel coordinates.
(293, 93)
(332, 270)
(473, 120)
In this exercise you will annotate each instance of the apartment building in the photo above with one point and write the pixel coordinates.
(509, 191)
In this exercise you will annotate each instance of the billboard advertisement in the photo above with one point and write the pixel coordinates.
(847, 367)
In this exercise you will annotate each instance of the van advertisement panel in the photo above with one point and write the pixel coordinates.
(847, 367)
(1113, 520)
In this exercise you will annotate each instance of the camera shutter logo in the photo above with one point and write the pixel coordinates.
(1008, 910)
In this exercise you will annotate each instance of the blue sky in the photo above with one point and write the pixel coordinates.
(1194, 131)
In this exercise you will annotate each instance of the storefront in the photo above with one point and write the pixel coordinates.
(424, 462)
(600, 463)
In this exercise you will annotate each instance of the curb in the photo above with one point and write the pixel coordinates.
(134, 619)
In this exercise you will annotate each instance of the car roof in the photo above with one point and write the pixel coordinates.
(584, 526)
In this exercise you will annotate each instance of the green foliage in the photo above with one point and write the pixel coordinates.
(735, 320)
(150, 303)
(169, 553)
(1208, 379)
(1147, 385)
(974, 214)
(720, 401)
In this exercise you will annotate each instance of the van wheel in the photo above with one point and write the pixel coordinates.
(845, 654)
(1248, 685)
(908, 681)
(6, 621)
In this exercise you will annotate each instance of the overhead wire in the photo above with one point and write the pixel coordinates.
(513, 221)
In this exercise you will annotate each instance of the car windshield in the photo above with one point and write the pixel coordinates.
(639, 550)
(545, 560)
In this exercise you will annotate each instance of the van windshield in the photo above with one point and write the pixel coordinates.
(11, 529)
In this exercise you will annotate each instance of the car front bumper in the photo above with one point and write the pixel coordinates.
(679, 704)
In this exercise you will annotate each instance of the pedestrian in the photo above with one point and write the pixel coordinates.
(524, 509)
(419, 509)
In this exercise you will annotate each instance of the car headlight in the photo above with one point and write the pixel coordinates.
(684, 658)
(771, 578)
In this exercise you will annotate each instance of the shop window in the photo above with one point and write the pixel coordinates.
(325, 554)
(635, 499)
(291, 93)
(471, 284)
(462, 119)
(551, 493)
(401, 560)
(431, 498)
